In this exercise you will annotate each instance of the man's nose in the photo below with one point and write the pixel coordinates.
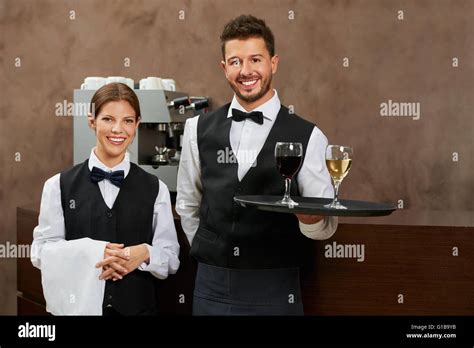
(246, 69)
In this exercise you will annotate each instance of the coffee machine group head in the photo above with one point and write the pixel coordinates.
(160, 136)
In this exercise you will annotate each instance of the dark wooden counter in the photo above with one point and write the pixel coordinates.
(416, 262)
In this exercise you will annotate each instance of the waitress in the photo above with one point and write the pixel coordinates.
(105, 224)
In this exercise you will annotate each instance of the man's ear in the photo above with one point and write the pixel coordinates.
(275, 59)
(91, 121)
(223, 67)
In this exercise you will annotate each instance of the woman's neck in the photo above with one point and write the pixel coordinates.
(109, 161)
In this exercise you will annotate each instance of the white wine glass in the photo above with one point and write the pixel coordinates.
(338, 162)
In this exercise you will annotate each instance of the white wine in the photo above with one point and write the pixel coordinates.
(338, 169)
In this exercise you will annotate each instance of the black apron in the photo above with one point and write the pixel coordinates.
(225, 291)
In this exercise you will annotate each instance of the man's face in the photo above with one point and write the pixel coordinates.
(249, 68)
(115, 129)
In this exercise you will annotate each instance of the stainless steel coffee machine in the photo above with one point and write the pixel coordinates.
(157, 145)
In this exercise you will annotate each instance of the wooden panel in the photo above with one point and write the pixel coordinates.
(29, 307)
(416, 262)
(28, 277)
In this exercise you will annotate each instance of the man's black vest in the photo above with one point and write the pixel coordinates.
(130, 221)
(232, 236)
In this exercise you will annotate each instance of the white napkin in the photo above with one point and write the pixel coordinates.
(71, 284)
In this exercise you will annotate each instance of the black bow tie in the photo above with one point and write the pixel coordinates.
(115, 178)
(256, 116)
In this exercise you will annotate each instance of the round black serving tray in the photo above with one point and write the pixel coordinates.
(315, 206)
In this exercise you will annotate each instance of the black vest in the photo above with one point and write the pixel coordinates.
(232, 236)
(130, 221)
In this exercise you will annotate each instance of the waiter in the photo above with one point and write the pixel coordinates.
(248, 260)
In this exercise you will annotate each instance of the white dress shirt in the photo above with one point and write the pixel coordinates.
(247, 139)
(164, 250)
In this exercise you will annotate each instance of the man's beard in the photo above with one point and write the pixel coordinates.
(251, 98)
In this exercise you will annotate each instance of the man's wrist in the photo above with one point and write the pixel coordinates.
(309, 219)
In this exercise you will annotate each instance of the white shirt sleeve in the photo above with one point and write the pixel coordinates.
(164, 250)
(314, 181)
(189, 187)
(70, 280)
(51, 220)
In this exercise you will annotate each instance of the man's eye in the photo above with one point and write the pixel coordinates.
(235, 63)
(256, 60)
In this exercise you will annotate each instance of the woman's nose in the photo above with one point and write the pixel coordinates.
(116, 128)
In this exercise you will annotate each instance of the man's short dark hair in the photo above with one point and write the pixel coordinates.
(247, 26)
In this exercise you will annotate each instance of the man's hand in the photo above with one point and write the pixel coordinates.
(309, 219)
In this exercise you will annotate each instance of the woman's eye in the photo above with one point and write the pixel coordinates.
(129, 121)
(106, 119)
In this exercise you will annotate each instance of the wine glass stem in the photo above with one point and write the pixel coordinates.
(287, 189)
(336, 190)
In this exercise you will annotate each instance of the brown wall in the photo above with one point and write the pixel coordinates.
(406, 60)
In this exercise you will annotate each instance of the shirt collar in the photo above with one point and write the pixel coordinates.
(124, 165)
(269, 109)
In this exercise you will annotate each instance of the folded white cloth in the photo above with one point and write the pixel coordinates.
(71, 284)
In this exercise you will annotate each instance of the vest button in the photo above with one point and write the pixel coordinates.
(110, 214)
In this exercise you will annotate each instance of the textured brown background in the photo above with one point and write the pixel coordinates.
(408, 61)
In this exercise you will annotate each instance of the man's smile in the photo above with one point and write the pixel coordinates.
(249, 83)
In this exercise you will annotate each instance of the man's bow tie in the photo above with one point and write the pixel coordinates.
(115, 178)
(256, 116)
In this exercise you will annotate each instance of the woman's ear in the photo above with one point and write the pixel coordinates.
(91, 121)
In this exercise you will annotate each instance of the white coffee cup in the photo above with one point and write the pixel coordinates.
(130, 83)
(93, 82)
(151, 83)
(169, 84)
(120, 79)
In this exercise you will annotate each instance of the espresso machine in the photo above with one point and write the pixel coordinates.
(157, 144)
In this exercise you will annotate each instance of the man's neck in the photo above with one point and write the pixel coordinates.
(249, 106)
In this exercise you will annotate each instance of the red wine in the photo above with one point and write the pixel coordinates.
(288, 165)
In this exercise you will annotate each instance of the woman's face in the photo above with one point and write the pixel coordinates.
(115, 129)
